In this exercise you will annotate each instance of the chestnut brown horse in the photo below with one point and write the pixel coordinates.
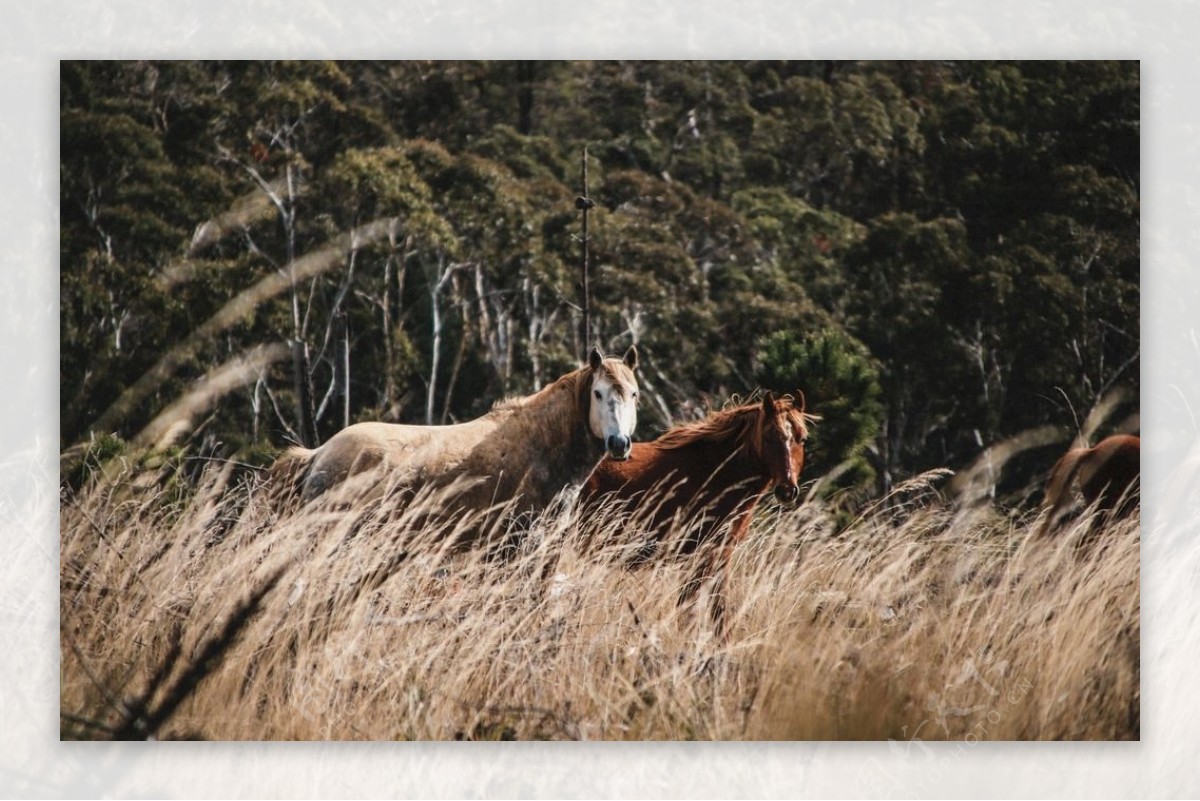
(526, 449)
(706, 479)
(1106, 473)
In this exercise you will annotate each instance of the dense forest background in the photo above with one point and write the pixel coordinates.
(940, 254)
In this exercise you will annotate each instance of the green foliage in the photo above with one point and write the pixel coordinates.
(808, 244)
(840, 385)
(94, 455)
(973, 225)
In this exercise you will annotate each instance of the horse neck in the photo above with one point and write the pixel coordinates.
(730, 460)
(559, 426)
(746, 462)
(726, 478)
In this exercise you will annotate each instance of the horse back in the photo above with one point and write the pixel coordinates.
(611, 476)
(647, 468)
(286, 475)
(674, 481)
(1105, 473)
(366, 446)
(1110, 469)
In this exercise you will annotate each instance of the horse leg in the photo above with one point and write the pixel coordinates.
(719, 600)
(705, 569)
(714, 566)
(717, 603)
(502, 551)
(1128, 502)
(1108, 478)
(1117, 501)
(692, 585)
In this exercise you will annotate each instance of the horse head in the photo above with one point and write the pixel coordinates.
(613, 391)
(781, 433)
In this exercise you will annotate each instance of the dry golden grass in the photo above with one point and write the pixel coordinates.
(204, 613)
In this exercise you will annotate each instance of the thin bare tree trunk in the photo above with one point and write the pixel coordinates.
(584, 204)
(436, 347)
(389, 355)
(344, 361)
(536, 326)
(458, 359)
(306, 411)
(235, 311)
(301, 375)
(444, 273)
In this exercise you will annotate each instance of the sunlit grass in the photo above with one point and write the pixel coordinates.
(918, 621)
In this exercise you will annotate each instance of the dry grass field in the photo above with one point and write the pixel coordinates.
(195, 610)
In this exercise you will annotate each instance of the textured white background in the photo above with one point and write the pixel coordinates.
(34, 36)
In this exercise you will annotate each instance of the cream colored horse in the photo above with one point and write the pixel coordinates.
(526, 448)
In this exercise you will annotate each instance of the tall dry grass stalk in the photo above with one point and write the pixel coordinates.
(206, 613)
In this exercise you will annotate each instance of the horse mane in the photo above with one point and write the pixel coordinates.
(736, 423)
(572, 381)
(518, 401)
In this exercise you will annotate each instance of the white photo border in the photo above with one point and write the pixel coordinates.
(34, 763)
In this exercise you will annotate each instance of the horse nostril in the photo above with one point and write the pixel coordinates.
(618, 446)
(787, 494)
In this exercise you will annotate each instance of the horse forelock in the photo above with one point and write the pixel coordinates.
(799, 419)
(619, 375)
(786, 406)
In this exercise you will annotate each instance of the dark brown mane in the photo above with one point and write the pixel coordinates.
(800, 419)
(737, 422)
(717, 427)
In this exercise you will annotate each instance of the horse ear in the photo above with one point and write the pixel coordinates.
(798, 401)
(631, 357)
(595, 359)
(768, 403)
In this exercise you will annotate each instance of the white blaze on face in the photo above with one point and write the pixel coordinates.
(613, 415)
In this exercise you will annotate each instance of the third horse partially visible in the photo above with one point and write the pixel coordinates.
(1107, 474)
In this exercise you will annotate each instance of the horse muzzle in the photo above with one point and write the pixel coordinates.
(787, 493)
(618, 447)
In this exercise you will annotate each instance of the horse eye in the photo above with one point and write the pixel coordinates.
(597, 393)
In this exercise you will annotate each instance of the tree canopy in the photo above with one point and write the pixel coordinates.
(940, 254)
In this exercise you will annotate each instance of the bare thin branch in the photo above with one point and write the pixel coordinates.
(238, 309)
(178, 418)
